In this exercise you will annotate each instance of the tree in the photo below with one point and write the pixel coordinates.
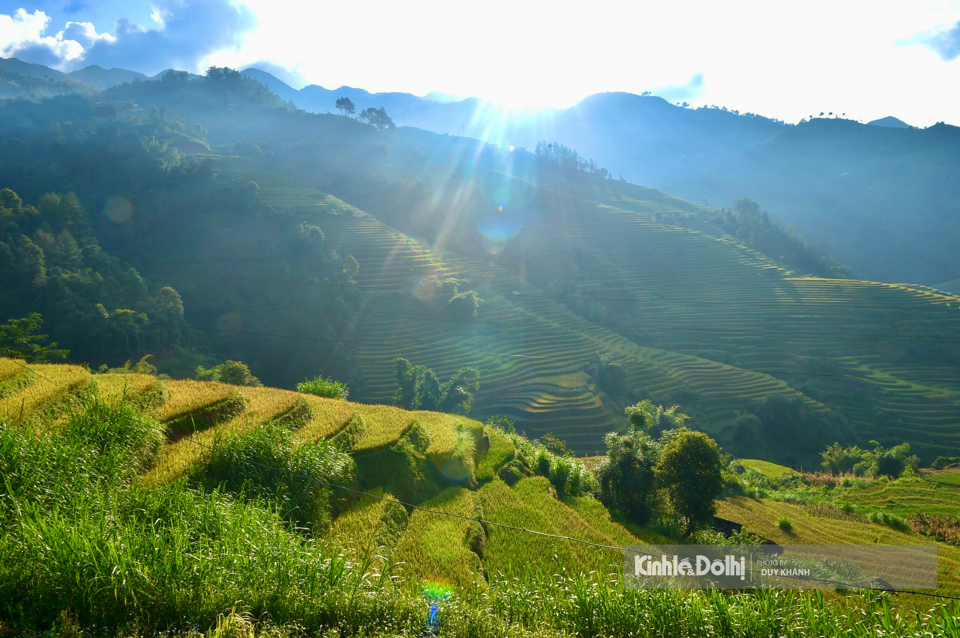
(128, 322)
(19, 339)
(419, 389)
(458, 391)
(378, 118)
(232, 372)
(464, 305)
(346, 106)
(647, 416)
(689, 470)
(627, 478)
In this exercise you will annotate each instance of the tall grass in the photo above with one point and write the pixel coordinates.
(263, 463)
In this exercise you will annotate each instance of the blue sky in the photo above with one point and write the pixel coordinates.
(866, 59)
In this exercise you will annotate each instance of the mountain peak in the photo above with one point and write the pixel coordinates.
(889, 122)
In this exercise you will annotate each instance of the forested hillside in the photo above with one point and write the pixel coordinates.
(210, 221)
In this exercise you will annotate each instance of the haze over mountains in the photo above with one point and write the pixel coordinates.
(879, 198)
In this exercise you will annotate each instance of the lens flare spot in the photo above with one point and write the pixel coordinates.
(499, 226)
(118, 209)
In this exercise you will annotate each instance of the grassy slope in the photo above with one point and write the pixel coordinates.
(770, 470)
(439, 550)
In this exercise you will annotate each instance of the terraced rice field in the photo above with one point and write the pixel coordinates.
(361, 529)
(761, 516)
(531, 504)
(442, 429)
(385, 425)
(142, 390)
(770, 470)
(907, 496)
(436, 548)
(50, 387)
(532, 352)
(329, 416)
(260, 406)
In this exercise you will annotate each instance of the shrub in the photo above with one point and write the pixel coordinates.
(942, 462)
(626, 478)
(785, 524)
(323, 387)
(263, 463)
(890, 520)
(232, 372)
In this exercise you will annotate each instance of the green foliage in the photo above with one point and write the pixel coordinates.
(323, 387)
(553, 444)
(785, 524)
(611, 376)
(840, 460)
(942, 462)
(419, 389)
(19, 339)
(891, 520)
(231, 372)
(264, 463)
(647, 416)
(464, 305)
(690, 469)
(565, 473)
(626, 479)
(877, 462)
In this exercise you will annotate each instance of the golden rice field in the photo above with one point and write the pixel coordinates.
(262, 405)
(188, 396)
(532, 504)
(435, 548)
(329, 416)
(761, 516)
(10, 368)
(442, 429)
(51, 383)
(370, 528)
(385, 425)
(142, 390)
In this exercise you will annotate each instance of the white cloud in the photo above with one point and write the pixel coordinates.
(22, 33)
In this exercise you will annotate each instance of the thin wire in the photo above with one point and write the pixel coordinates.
(487, 522)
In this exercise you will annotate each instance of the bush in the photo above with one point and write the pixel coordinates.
(890, 520)
(942, 462)
(626, 478)
(785, 524)
(322, 387)
(263, 464)
(232, 372)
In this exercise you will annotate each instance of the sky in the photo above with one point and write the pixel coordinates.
(783, 59)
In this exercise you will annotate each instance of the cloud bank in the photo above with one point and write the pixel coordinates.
(945, 42)
(186, 32)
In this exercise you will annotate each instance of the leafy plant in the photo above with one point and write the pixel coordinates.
(323, 387)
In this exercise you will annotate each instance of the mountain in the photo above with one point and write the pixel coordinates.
(307, 244)
(867, 195)
(105, 78)
(30, 70)
(889, 121)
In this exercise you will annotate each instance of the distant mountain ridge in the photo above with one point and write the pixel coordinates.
(878, 197)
